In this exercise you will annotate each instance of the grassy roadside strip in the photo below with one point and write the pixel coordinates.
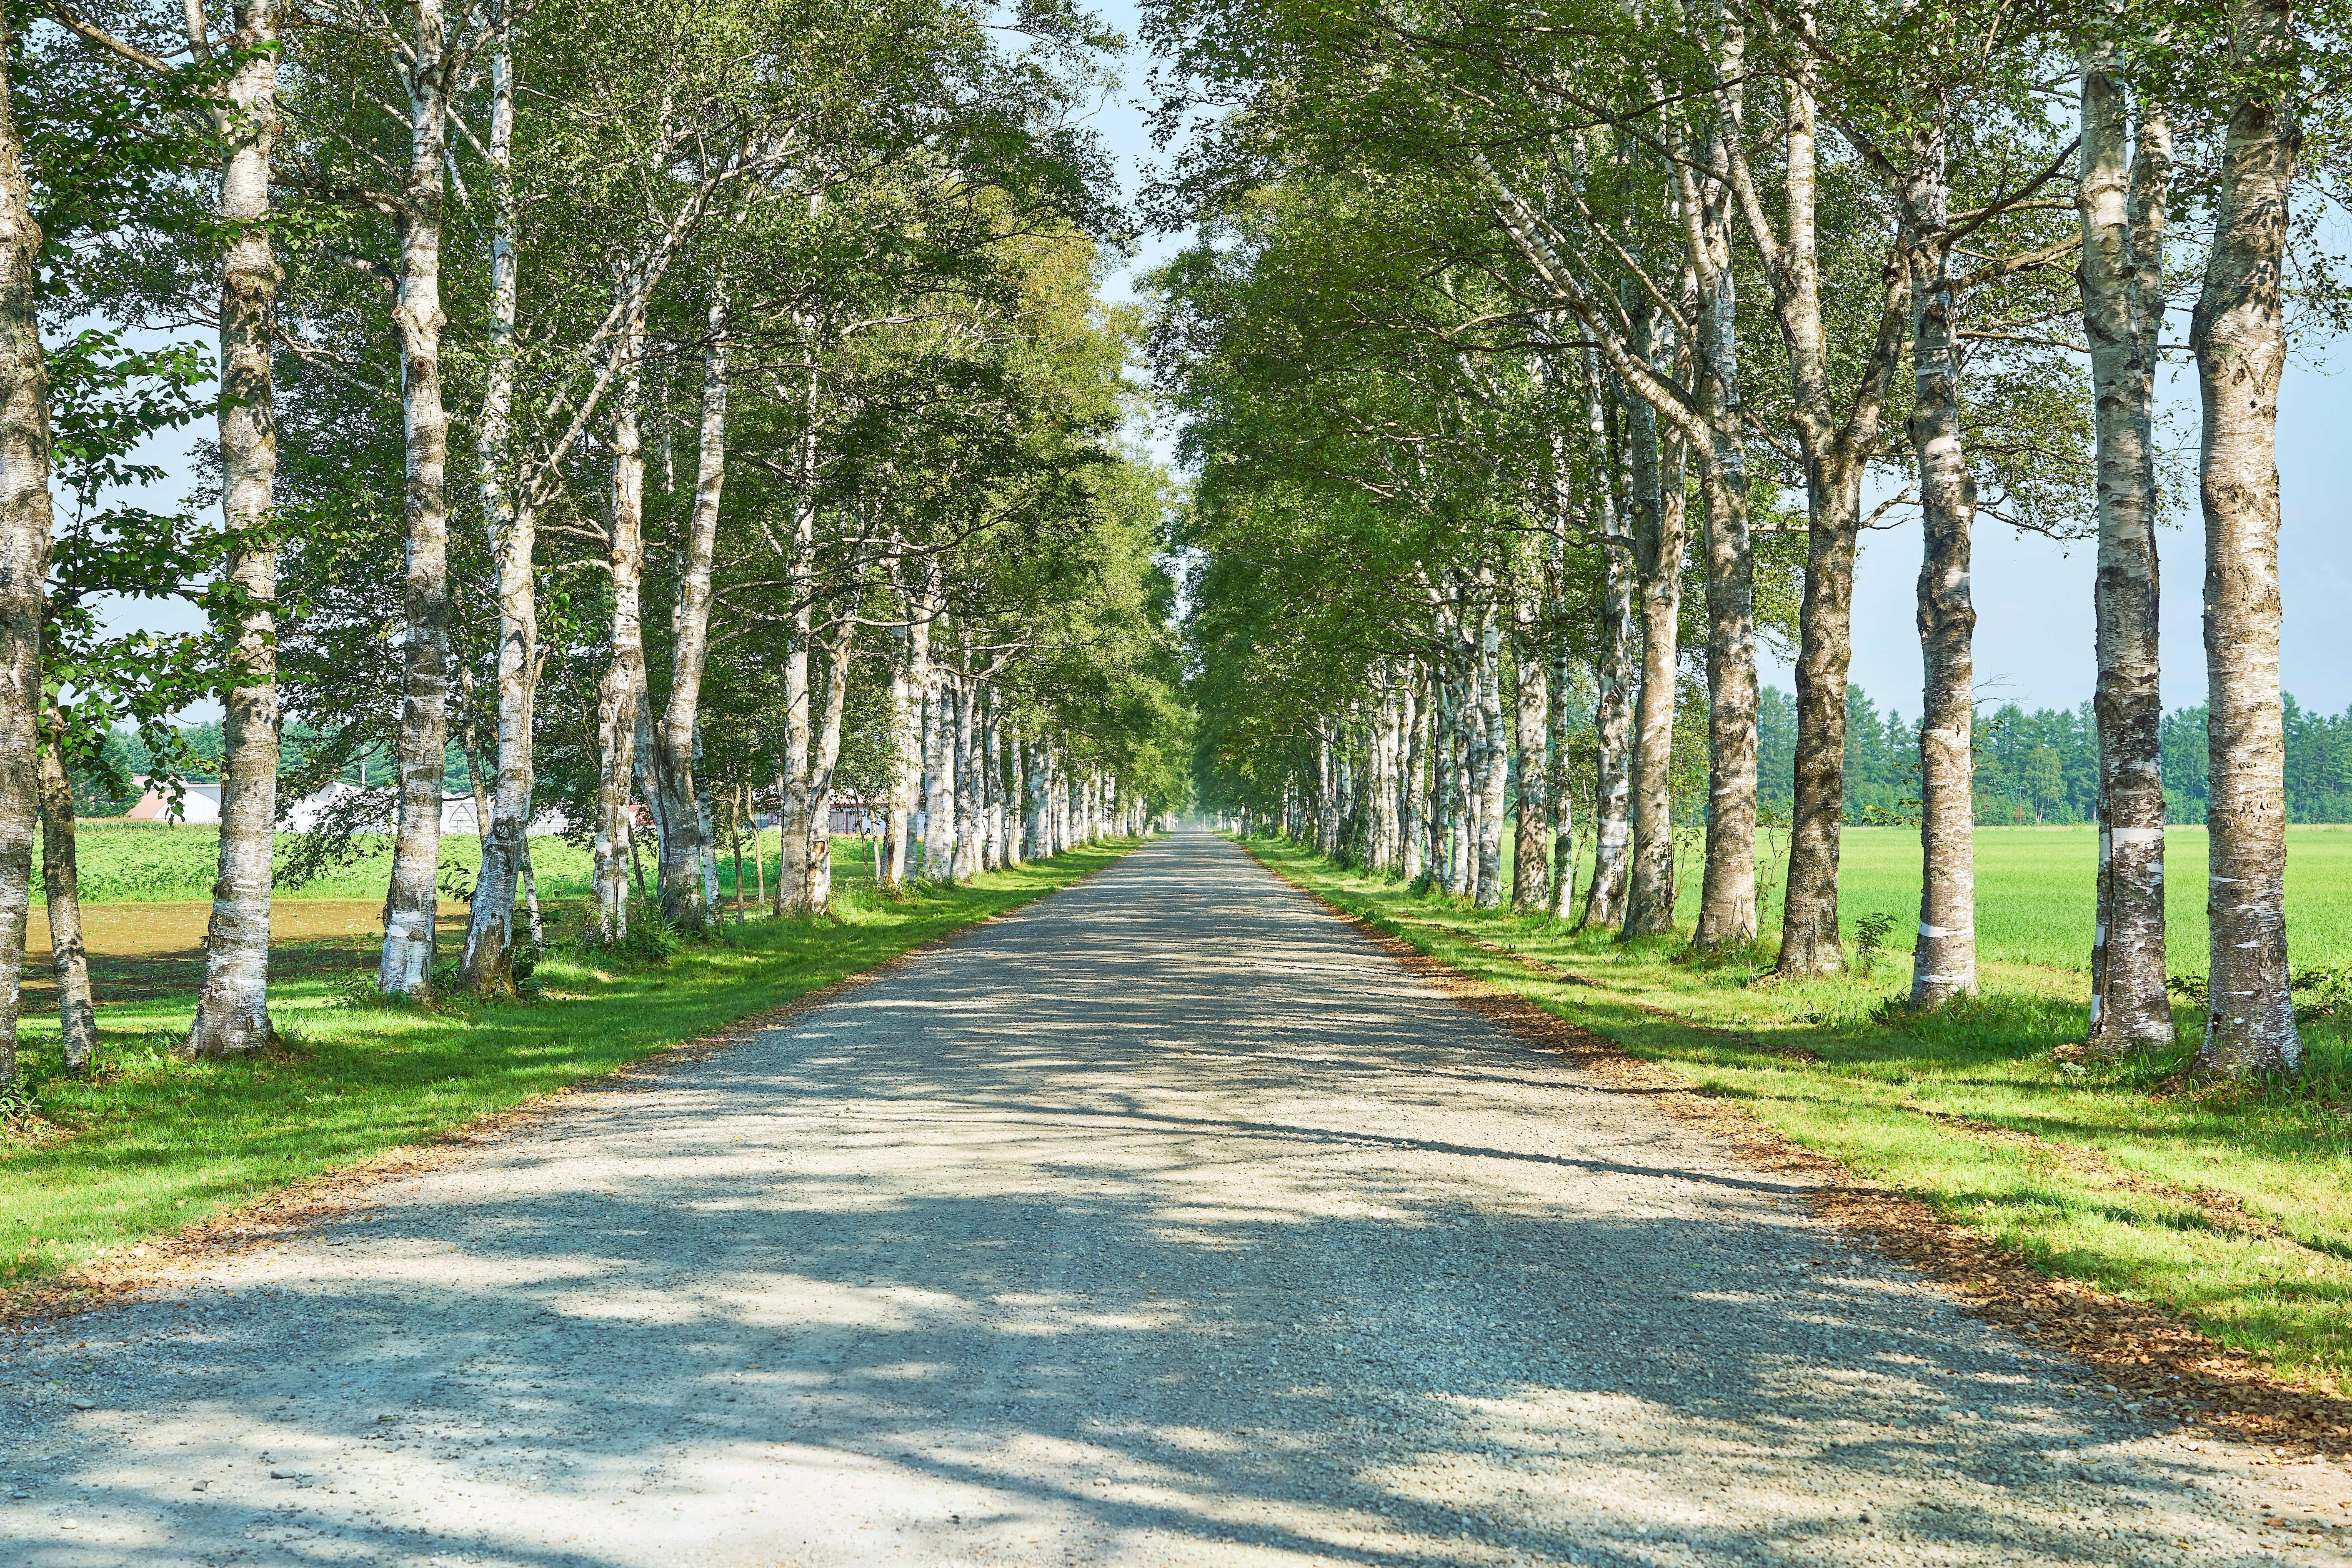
(2042, 1192)
(151, 1145)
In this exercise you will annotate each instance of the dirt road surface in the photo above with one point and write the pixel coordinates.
(1164, 1222)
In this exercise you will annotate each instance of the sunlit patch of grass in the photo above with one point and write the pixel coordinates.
(2232, 1205)
(148, 1141)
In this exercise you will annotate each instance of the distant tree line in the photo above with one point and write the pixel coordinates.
(2042, 769)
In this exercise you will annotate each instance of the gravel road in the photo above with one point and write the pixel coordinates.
(1165, 1222)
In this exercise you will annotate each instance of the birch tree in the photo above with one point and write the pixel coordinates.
(2238, 334)
(24, 523)
(2124, 194)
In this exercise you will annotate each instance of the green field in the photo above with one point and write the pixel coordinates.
(156, 863)
(2036, 888)
(2125, 1176)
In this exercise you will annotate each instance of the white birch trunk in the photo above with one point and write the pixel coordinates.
(1944, 964)
(616, 704)
(61, 887)
(1531, 844)
(406, 969)
(487, 965)
(685, 845)
(1411, 858)
(2123, 197)
(25, 516)
(825, 755)
(1658, 511)
(233, 1002)
(1614, 678)
(2238, 335)
(1493, 748)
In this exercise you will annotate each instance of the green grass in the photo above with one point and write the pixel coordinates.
(1888, 1088)
(153, 1142)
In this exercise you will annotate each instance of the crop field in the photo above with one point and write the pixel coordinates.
(2036, 891)
(148, 863)
(146, 893)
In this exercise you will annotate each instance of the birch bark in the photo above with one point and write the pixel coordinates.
(1834, 453)
(616, 704)
(1038, 783)
(25, 521)
(903, 764)
(801, 571)
(2238, 333)
(1494, 756)
(1658, 523)
(1613, 671)
(1410, 795)
(2123, 197)
(1944, 964)
(967, 774)
(233, 1002)
(408, 934)
(816, 850)
(939, 806)
(487, 965)
(1531, 847)
(685, 846)
(61, 883)
(1726, 908)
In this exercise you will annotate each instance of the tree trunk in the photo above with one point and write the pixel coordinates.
(1038, 782)
(800, 571)
(616, 704)
(408, 933)
(1531, 848)
(1726, 908)
(1411, 860)
(1561, 891)
(905, 761)
(1019, 845)
(486, 967)
(1658, 514)
(2239, 336)
(686, 844)
(1834, 455)
(77, 1024)
(735, 850)
(25, 522)
(2123, 200)
(966, 763)
(1944, 964)
(233, 1001)
(940, 784)
(1614, 680)
(759, 856)
(826, 755)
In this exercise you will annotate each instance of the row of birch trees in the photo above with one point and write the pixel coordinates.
(650, 410)
(1536, 363)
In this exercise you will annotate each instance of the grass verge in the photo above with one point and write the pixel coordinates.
(2231, 1208)
(150, 1144)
